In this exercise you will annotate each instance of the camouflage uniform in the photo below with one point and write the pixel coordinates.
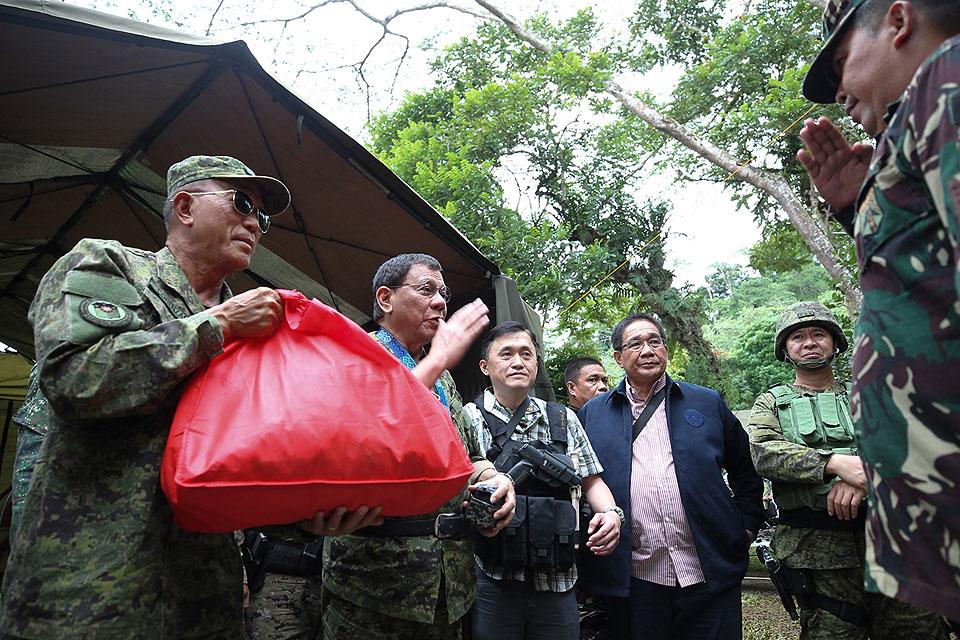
(117, 332)
(378, 587)
(835, 556)
(905, 401)
(31, 419)
(286, 607)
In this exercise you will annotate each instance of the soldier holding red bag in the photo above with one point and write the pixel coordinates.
(117, 330)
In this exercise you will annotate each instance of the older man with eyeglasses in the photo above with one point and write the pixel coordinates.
(414, 577)
(663, 445)
(117, 331)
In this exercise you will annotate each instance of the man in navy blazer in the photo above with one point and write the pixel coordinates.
(664, 446)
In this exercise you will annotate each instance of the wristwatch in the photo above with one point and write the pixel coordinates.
(617, 510)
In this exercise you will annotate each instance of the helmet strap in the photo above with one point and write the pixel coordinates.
(812, 365)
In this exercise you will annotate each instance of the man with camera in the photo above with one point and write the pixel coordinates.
(526, 574)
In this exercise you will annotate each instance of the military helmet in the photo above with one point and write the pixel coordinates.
(806, 314)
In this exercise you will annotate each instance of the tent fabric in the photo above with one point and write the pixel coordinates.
(95, 108)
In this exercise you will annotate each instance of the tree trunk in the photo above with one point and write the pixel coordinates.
(799, 215)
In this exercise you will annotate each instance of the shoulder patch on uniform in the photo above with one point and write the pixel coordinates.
(105, 314)
(90, 284)
(693, 417)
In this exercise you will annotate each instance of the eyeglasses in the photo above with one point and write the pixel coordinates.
(427, 289)
(242, 203)
(637, 345)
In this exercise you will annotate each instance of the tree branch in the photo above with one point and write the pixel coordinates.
(212, 16)
(771, 183)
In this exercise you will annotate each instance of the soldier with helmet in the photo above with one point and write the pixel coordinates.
(801, 438)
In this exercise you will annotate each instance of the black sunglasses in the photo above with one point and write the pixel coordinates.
(243, 204)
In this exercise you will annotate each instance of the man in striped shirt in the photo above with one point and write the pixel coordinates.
(663, 445)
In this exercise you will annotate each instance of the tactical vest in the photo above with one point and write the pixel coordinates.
(820, 422)
(542, 533)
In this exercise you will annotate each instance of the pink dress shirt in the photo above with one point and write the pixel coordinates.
(663, 551)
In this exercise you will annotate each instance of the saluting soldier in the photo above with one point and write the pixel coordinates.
(894, 65)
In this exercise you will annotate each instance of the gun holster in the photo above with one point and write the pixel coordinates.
(801, 584)
(262, 555)
(809, 598)
(254, 551)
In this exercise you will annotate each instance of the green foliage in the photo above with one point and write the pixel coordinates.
(524, 153)
(781, 250)
(504, 118)
(742, 328)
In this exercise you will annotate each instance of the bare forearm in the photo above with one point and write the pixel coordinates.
(598, 494)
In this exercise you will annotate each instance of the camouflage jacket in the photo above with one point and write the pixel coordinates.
(906, 400)
(117, 332)
(31, 420)
(401, 577)
(782, 461)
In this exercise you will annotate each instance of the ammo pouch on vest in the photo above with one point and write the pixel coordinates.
(820, 421)
(541, 536)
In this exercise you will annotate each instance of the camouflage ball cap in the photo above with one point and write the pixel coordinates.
(806, 314)
(820, 85)
(276, 196)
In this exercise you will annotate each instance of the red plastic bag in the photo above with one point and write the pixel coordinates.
(316, 416)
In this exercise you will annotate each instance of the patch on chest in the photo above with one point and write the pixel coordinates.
(105, 314)
(693, 417)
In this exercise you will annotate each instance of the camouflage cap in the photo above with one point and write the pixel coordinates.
(806, 314)
(820, 85)
(276, 196)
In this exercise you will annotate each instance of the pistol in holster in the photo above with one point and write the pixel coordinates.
(799, 583)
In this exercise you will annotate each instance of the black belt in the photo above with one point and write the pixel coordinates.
(445, 525)
(806, 518)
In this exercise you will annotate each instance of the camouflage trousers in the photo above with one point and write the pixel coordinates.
(887, 619)
(286, 608)
(344, 620)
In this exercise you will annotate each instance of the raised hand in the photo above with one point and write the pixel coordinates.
(836, 168)
(456, 334)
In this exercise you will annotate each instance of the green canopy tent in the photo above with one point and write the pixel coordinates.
(95, 108)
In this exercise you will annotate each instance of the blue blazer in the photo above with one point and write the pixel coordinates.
(706, 437)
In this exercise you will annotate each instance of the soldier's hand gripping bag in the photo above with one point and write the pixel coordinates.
(316, 416)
